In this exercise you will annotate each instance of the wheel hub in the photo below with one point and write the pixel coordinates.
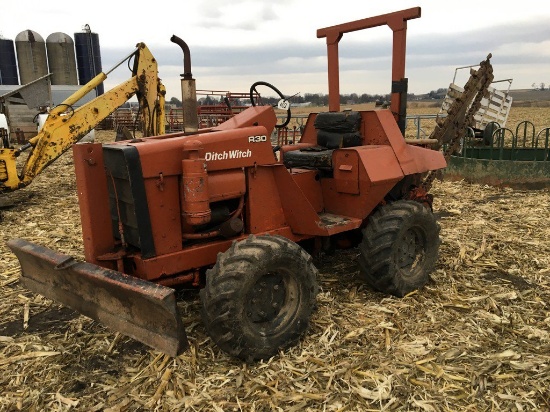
(266, 298)
(410, 252)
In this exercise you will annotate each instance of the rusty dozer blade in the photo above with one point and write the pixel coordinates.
(142, 310)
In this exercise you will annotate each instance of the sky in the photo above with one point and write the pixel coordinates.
(236, 43)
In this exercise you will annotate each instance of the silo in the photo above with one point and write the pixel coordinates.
(31, 56)
(61, 59)
(88, 57)
(8, 63)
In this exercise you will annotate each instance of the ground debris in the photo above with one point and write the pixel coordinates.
(477, 337)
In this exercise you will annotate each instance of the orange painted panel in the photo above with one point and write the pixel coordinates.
(165, 214)
(308, 181)
(263, 209)
(346, 171)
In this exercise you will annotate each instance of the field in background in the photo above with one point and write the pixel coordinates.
(531, 97)
(536, 112)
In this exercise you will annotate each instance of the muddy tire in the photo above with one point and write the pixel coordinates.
(259, 297)
(399, 248)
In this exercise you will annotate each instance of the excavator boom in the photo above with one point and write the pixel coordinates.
(66, 126)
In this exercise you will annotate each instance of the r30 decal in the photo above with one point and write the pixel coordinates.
(257, 139)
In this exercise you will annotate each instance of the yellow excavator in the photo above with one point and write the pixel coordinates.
(66, 125)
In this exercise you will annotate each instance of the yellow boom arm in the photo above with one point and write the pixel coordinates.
(65, 126)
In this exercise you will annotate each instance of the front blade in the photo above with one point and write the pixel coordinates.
(142, 310)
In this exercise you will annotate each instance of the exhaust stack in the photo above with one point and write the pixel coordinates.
(188, 89)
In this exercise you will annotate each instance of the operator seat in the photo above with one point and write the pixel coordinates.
(335, 130)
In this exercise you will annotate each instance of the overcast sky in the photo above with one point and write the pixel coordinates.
(235, 43)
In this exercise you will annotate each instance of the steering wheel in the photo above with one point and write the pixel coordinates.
(282, 104)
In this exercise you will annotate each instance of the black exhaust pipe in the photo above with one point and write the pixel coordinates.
(188, 89)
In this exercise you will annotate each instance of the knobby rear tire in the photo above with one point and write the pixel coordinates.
(399, 248)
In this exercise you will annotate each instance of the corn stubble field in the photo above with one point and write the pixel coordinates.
(476, 338)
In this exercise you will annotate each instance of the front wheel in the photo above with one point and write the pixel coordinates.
(399, 248)
(259, 296)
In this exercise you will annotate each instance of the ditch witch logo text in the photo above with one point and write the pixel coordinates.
(227, 154)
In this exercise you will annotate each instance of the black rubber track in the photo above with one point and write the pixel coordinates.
(259, 296)
(400, 247)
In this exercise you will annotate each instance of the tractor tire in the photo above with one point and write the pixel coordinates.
(259, 296)
(399, 248)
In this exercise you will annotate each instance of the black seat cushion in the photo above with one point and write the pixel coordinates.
(309, 158)
(336, 140)
(342, 122)
(334, 131)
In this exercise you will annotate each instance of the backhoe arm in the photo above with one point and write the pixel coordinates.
(65, 126)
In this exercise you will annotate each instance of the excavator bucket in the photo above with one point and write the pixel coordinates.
(142, 310)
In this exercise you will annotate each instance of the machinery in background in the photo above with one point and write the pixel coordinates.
(66, 125)
(489, 111)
